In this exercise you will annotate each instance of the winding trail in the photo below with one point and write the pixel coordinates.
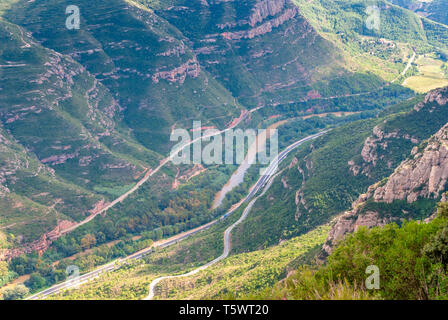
(265, 182)
(151, 173)
(225, 254)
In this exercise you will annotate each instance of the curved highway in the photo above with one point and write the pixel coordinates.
(151, 173)
(265, 180)
(73, 283)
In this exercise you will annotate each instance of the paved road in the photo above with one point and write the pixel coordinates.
(409, 63)
(270, 171)
(151, 173)
(265, 180)
(411, 60)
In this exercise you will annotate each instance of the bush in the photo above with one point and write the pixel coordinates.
(35, 282)
(17, 293)
(412, 259)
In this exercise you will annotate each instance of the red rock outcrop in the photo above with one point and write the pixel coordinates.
(40, 245)
(265, 28)
(190, 68)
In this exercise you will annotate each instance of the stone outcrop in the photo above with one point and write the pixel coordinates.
(374, 147)
(377, 146)
(179, 74)
(440, 96)
(265, 28)
(349, 223)
(266, 8)
(424, 175)
(40, 245)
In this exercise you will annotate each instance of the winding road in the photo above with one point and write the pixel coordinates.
(151, 173)
(265, 180)
(116, 264)
(410, 62)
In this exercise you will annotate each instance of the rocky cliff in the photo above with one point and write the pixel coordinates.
(147, 65)
(402, 131)
(267, 44)
(423, 175)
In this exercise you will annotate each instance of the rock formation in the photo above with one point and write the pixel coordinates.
(423, 175)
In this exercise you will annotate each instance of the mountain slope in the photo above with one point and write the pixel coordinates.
(326, 176)
(434, 10)
(145, 63)
(57, 126)
(383, 47)
(262, 51)
(95, 106)
(395, 23)
(411, 191)
(411, 259)
(86, 113)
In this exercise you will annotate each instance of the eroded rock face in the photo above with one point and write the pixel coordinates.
(374, 148)
(179, 74)
(263, 28)
(40, 245)
(379, 146)
(44, 242)
(276, 36)
(349, 223)
(266, 8)
(423, 176)
(440, 96)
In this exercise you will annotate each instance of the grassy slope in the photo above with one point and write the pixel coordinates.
(150, 108)
(396, 23)
(431, 75)
(237, 275)
(151, 111)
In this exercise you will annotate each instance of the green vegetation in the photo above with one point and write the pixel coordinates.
(327, 175)
(127, 283)
(6, 275)
(328, 189)
(131, 281)
(42, 274)
(88, 110)
(401, 209)
(412, 260)
(350, 18)
(383, 50)
(432, 9)
(431, 75)
(245, 273)
(17, 293)
(84, 114)
(242, 273)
